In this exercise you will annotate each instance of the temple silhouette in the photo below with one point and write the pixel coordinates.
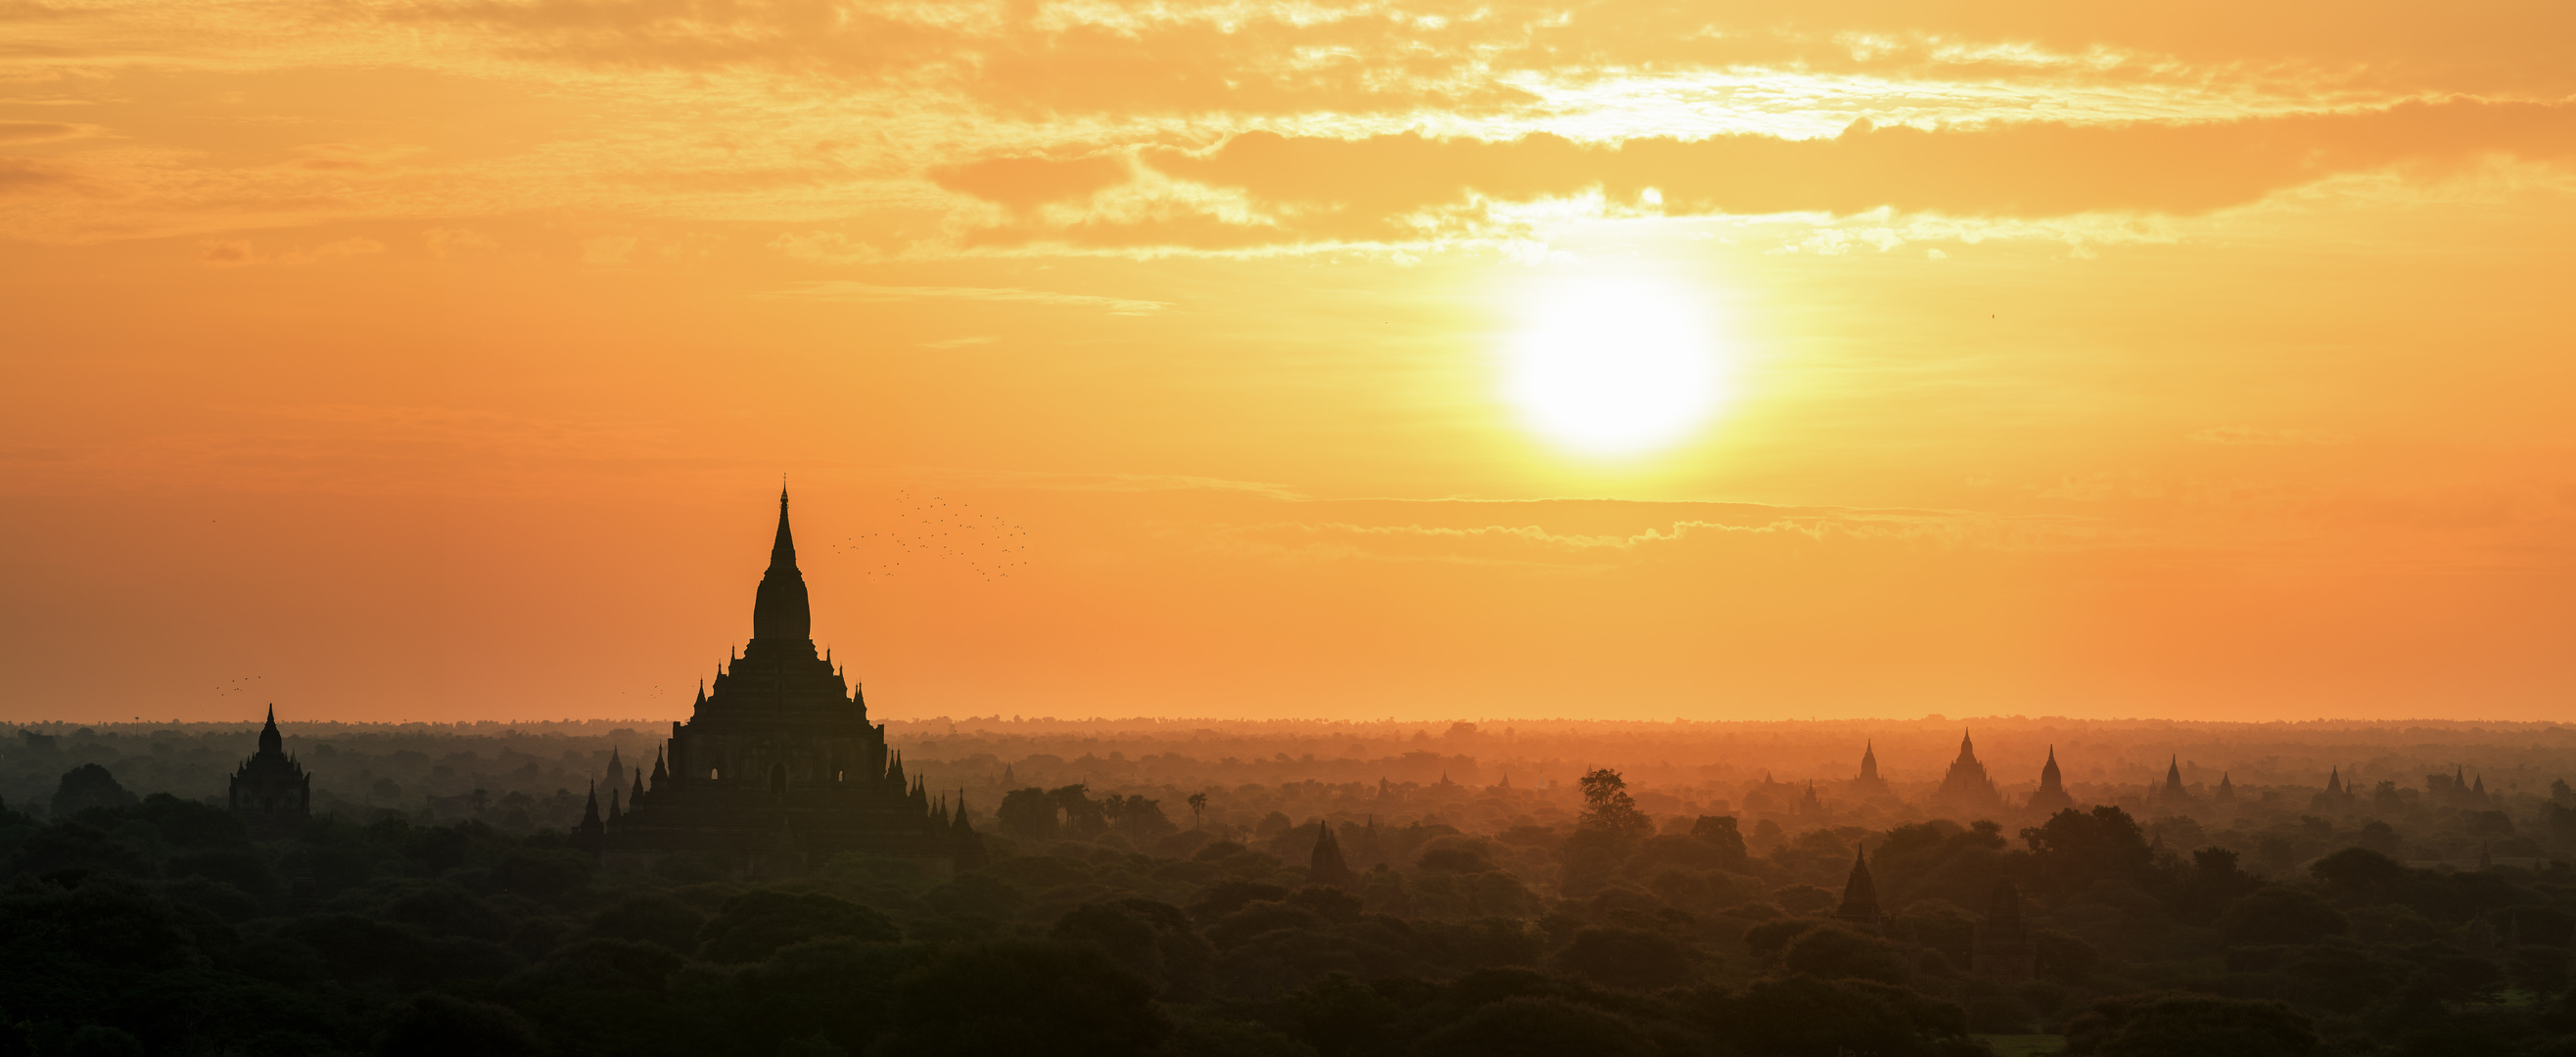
(2050, 798)
(778, 768)
(270, 792)
(1966, 787)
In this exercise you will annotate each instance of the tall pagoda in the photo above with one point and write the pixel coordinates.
(2051, 796)
(270, 792)
(778, 768)
(1966, 787)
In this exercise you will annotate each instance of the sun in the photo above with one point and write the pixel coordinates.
(1615, 365)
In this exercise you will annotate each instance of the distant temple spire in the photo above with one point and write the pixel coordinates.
(961, 834)
(586, 835)
(616, 771)
(1966, 787)
(271, 743)
(2051, 796)
(1325, 866)
(1860, 893)
(2172, 793)
(270, 792)
(1869, 783)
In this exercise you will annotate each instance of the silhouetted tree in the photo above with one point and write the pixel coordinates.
(1084, 817)
(1608, 810)
(1835, 953)
(435, 1025)
(1020, 997)
(88, 786)
(1801, 1016)
(2201, 1025)
(756, 923)
(1720, 831)
(841, 991)
(2074, 849)
(1151, 939)
(1338, 1015)
(100, 1040)
(1536, 1027)
(1027, 813)
(1633, 959)
(2281, 915)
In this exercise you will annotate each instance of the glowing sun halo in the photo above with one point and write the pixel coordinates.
(1614, 366)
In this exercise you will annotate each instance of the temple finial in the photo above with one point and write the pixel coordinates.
(779, 611)
(782, 551)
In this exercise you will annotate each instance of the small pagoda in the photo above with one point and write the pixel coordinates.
(271, 794)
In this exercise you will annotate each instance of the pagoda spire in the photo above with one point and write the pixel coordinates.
(782, 550)
(1860, 892)
(271, 743)
(587, 834)
(780, 610)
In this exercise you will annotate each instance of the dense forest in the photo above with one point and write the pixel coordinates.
(1473, 898)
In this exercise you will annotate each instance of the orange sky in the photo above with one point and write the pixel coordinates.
(439, 359)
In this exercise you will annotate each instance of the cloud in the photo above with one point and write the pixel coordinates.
(825, 247)
(43, 131)
(608, 249)
(1027, 182)
(2258, 435)
(26, 175)
(449, 243)
(1108, 482)
(1409, 187)
(1195, 59)
(838, 290)
(234, 253)
(1629, 532)
(353, 158)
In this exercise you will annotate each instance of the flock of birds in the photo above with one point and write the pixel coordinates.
(938, 530)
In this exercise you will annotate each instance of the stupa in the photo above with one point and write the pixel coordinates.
(778, 768)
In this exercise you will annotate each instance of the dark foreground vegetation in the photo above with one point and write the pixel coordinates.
(153, 924)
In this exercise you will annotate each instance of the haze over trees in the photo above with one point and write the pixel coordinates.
(1153, 888)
